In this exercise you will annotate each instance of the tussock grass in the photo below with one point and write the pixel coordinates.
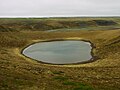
(20, 73)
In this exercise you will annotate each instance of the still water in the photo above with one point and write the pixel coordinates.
(59, 52)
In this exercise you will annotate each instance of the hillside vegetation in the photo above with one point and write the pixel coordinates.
(51, 24)
(20, 73)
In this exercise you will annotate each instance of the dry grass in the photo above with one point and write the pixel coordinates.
(59, 23)
(20, 73)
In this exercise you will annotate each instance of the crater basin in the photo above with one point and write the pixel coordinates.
(59, 52)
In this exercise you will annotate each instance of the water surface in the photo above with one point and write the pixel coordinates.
(59, 52)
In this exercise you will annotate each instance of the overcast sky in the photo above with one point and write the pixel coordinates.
(59, 8)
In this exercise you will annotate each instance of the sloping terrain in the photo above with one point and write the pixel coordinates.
(51, 24)
(20, 73)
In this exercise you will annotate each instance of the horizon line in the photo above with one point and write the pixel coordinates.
(60, 16)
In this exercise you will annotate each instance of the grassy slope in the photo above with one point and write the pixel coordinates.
(59, 23)
(20, 73)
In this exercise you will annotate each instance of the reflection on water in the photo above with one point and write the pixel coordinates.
(59, 52)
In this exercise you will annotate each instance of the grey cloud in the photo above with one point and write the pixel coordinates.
(59, 7)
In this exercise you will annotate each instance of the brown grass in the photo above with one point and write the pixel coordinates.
(20, 73)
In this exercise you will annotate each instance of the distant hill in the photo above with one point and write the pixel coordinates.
(52, 23)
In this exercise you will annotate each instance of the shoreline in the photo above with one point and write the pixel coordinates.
(93, 59)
